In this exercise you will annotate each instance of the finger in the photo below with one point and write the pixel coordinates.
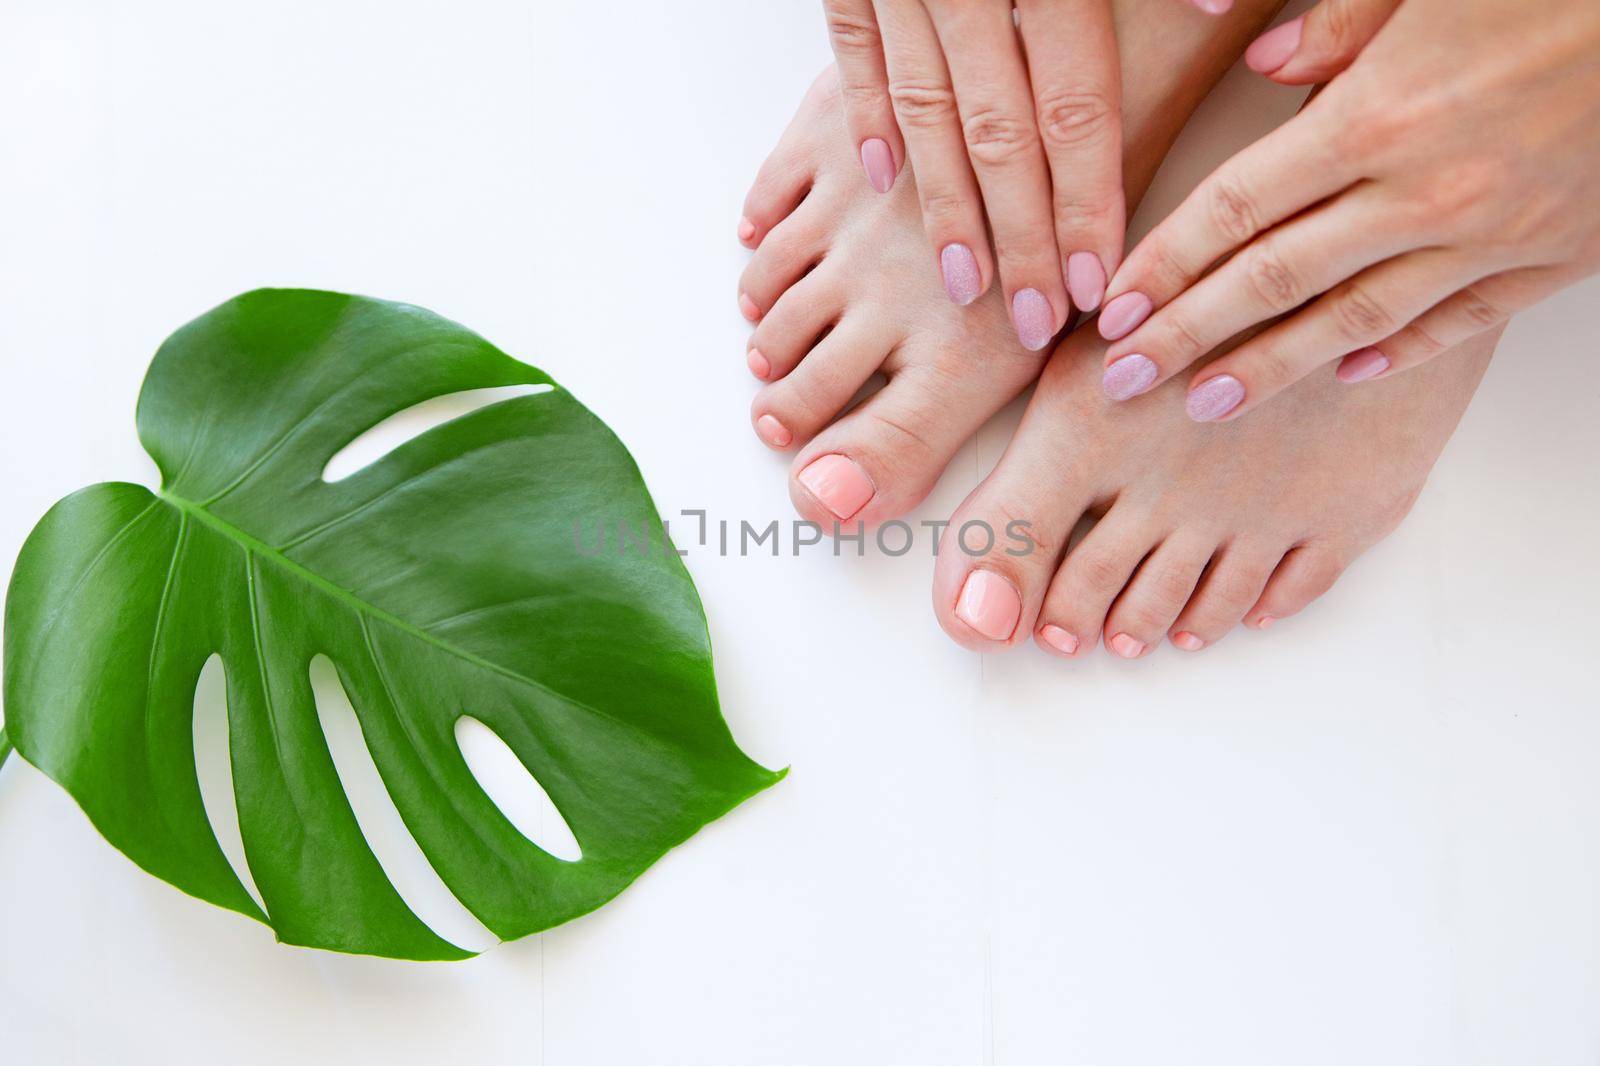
(1077, 83)
(1273, 275)
(1285, 172)
(1366, 309)
(925, 106)
(864, 86)
(1320, 43)
(996, 104)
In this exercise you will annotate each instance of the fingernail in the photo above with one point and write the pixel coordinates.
(1035, 321)
(1265, 621)
(759, 366)
(1059, 639)
(989, 605)
(1359, 366)
(1126, 646)
(748, 308)
(1273, 49)
(842, 486)
(1128, 377)
(959, 268)
(1188, 641)
(747, 229)
(878, 162)
(1214, 398)
(1086, 280)
(1123, 315)
(773, 432)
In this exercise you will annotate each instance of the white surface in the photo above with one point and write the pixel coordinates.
(1371, 836)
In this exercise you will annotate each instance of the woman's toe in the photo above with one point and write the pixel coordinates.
(1147, 607)
(1231, 585)
(787, 255)
(1304, 574)
(796, 323)
(1090, 579)
(792, 409)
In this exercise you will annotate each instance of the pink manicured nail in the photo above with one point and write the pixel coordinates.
(959, 267)
(1128, 377)
(747, 229)
(1059, 639)
(1126, 646)
(842, 486)
(748, 308)
(1035, 321)
(878, 162)
(1213, 7)
(759, 366)
(1273, 49)
(1214, 398)
(1086, 280)
(989, 605)
(1188, 641)
(1359, 366)
(1122, 316)
(1264, 621)
(773, 432)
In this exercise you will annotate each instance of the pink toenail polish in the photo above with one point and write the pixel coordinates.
(1122, 316)
(1128, 377)
(989, 604)
(839, 482)
(878, 162)
(1035, 321)
(1264, 621)
(1273, 49)
(1126, 646)
(773, 432)
(1086, 280)
(1214, 398)
(759, 366)
(748, 308)
(1059, 639)
(747, 229)
(1188, 641)
(959, 268)
(1359, 366)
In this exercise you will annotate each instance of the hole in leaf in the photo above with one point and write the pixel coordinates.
(214, 767)
(397, 851)
(515, 790)
(413, 422)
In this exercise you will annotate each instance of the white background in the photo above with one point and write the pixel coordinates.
(1369, 836)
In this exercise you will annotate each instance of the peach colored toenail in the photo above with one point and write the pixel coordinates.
(839, 482)
(959, 268)
(748, 308)
(878, 162)
(747, 229)
(989, 604)
(1264, 621)
(1273, 49)
(1086, 280)
(1128, 377)
(773, 432)
(1122, 316)
(759, 366)
(1359, 366)
(1188, 641)
(1035, 321)
(1059, 639)
(1126, 646)
(1214, 398)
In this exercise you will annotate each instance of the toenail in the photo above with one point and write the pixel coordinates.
(878, 162)
(1129, 376)
(1359, 366)
(839, 482)
(1264, 621)
(1122, 316)
(989, 604)
(773, 432)
(747, 229)
(959, 268)
(1086, 280)
(748, 308)
(1126, 646)
(1059, 639)
(758, 366)
(1214, 398)
(1188, 641)
(1034, 320)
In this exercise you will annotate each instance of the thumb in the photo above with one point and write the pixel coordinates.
(1320, 43)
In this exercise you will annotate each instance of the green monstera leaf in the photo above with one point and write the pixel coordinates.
(442, 581)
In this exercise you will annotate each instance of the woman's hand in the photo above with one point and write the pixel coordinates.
(1448, 178)
(1045, 151)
